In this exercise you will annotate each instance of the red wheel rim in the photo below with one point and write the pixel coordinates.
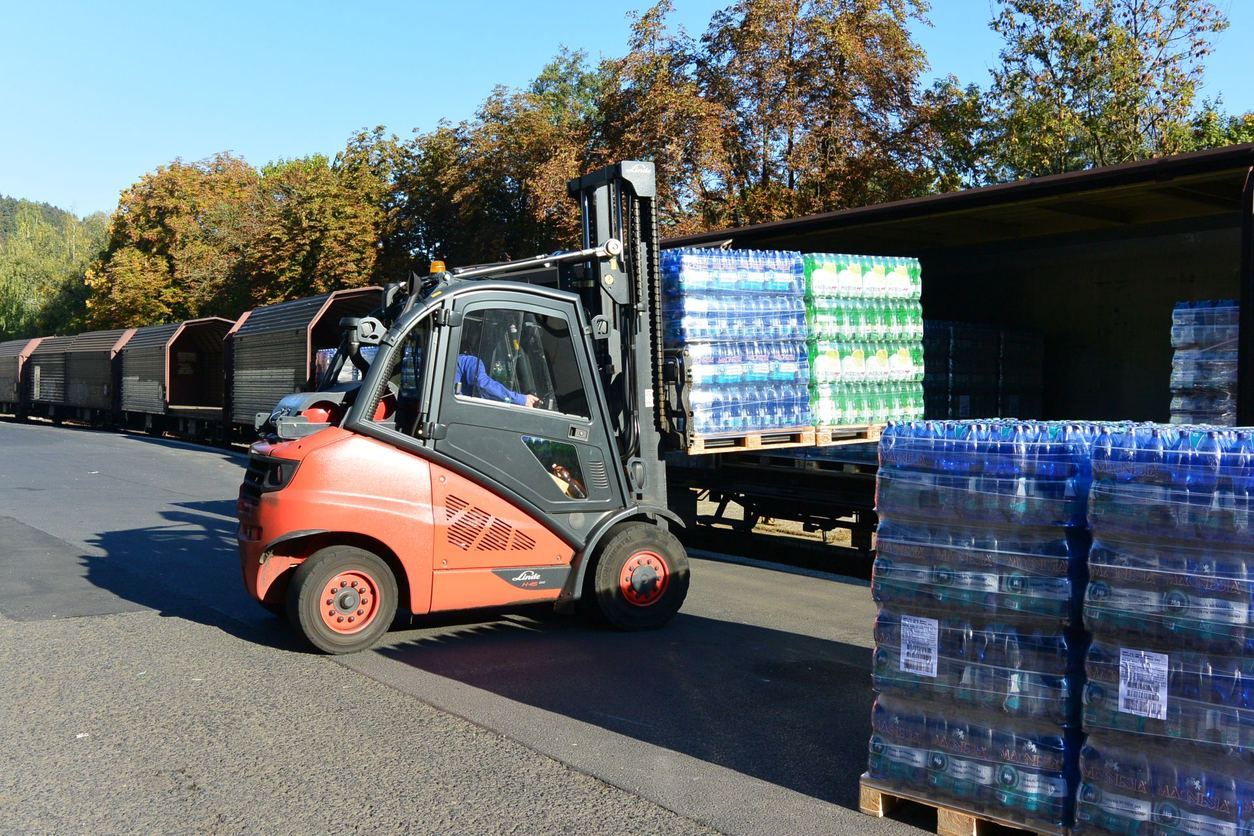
(350, 602)
(644, 578)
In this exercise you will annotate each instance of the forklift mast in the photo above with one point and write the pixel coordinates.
(622, 298)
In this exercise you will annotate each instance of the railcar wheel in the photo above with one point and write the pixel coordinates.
(342, 598)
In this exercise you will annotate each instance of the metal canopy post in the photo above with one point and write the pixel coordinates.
(1245, 341)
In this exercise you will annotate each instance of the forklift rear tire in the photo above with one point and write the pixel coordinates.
(342, 598)
(641, 576)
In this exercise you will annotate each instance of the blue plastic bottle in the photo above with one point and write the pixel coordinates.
(1103, 447)
(1204, 474)
(1179, 463)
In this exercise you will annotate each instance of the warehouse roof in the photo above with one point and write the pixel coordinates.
(1200, 187)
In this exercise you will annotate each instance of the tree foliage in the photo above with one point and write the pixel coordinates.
(43, 253)
(218, 236)
(779, 108)
(1096, 82)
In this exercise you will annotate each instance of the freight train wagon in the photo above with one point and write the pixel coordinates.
(74, 377)
(272, 351)
(13, 357)
(174, 378)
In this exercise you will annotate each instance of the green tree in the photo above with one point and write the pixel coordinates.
(1096, 82)
(320, 227)
(1212, 128)
(43, 254)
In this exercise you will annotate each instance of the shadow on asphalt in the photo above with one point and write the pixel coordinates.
(790, 709)
(786, 708)
(187, 567)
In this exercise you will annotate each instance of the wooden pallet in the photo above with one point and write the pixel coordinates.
(772, 440)
(876, 799)
(836, 436)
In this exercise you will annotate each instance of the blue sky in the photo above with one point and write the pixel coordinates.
(93, 95)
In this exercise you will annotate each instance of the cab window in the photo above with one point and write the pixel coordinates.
(519, 358)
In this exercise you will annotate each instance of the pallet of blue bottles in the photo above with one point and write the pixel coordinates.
(1169, 699)
(1204, 336)
(979, 646)
(737, 320)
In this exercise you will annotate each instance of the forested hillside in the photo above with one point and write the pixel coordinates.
(44, 252)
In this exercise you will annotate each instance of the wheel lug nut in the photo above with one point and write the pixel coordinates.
(343, 584)
(351, 619)
(340, 619)
(330, 601)
(353, 584)
(359, 612)
(365, 600)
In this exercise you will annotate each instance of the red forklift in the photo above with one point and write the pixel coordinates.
(503, 445)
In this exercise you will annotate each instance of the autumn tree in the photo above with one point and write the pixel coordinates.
(494, 187)
(653, 109)
(1212, 128)
(823, 96)
(1096, 82)
(177, 244)
(371, 166)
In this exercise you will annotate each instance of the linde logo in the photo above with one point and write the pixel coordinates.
(527, 575)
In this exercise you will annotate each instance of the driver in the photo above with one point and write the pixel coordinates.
(474, 381)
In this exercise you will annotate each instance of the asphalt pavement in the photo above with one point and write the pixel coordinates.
(147, 692)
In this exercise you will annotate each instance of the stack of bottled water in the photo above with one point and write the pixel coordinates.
(1204, 369)
(978, 644)
(1169, 702)
(738, 318)
(866, 338)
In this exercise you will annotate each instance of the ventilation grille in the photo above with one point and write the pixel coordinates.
(600, 479)
(471, 527)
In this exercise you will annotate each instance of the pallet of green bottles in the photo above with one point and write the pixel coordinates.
(878, 798)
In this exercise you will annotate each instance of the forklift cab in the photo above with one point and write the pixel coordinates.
(553, 452)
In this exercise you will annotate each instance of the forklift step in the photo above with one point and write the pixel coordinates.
(858, 434)
(773, 439)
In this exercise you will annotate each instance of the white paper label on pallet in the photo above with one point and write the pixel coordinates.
(1196, 824)
(976, 772)
(1037, 783)
(1143, 683)
(920, 639)
(1124, 806)
(907, 755)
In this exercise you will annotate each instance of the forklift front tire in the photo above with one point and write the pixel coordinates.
(641, 576)
(342, 598)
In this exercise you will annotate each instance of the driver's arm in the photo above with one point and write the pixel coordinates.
(471, 368)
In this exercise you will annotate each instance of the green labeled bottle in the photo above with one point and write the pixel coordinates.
(853, 319)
